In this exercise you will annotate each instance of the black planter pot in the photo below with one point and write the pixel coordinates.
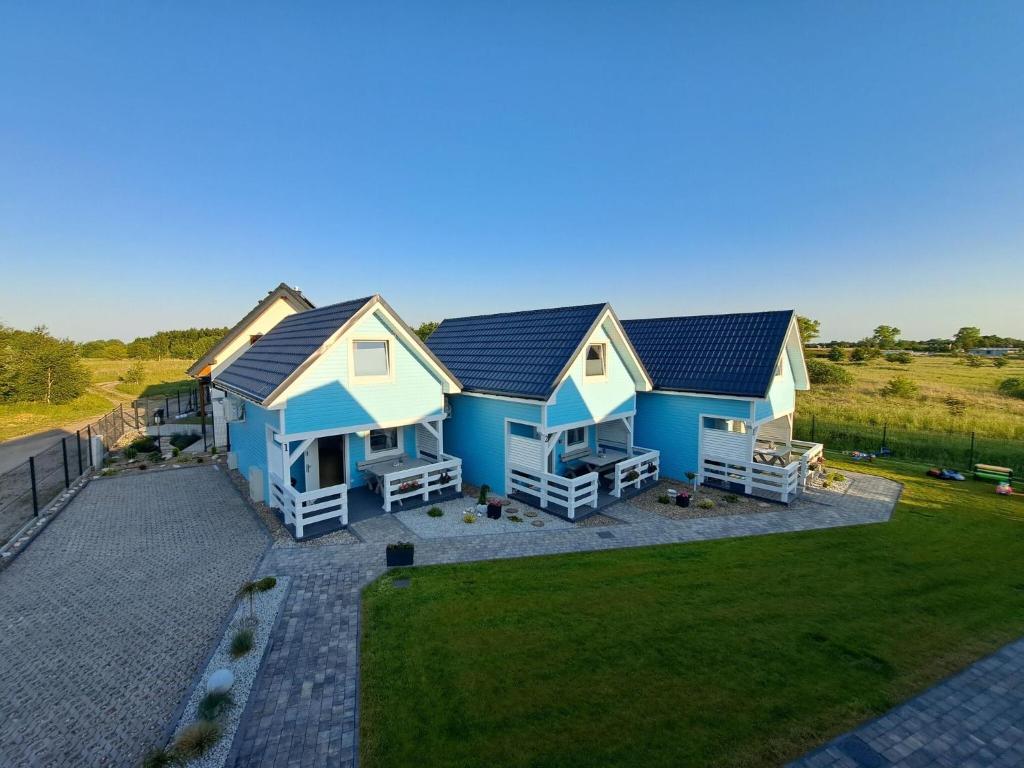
(682, 501)
(494, 511)
(401, 556)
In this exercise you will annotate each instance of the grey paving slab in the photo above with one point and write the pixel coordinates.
(303, 710)
(107, 616)
(975, 718)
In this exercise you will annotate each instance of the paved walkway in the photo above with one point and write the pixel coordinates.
(303, 710)
(106, 617)
(972, 720)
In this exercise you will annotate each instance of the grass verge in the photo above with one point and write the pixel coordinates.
(737, 652)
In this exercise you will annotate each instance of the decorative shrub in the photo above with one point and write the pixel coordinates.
(482, 498)
(435, 512)
(632, 475)
(469, 517)
(836, 354)
(975, 361)
(266, 584)
(835, 477)
(822, 372)
(129, 453)
(175, 451)
(144, 444)
(900, 386)
(182, 440)
(241, 643)
(161, 758)
(514, 518)
(249, 589)
(213, 705)
(663, 499)
(198, 739)
(732, 498)
(1000, 362)
(706, 504)
(199, 459)
(142, 466)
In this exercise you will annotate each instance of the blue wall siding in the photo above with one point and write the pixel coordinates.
(580, 399)
(356, 452)
(326, 400)
(781, 396)
(671, 424)
(475, 432)
(249, 440)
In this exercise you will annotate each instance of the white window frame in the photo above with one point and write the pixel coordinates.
(355, 378)
(729, 421)
(604, 361)
(372, 455)
(571, 446)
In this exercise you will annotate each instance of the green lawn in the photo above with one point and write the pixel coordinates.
(739, 652)
(17, 419)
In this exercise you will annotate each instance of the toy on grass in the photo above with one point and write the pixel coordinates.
(1004, 489)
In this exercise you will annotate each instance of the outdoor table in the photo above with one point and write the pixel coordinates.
(598, 462)
(378, 469)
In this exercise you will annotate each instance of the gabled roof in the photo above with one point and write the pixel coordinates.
(713, 354)
(265, 370)
(516, 354)
(289, 294)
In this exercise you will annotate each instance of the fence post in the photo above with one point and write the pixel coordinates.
(202, 421)
(814, 427)
(885, 434)
(64, 451)
(177, 394)
(78, 442)
(167, 409)
(135, 405)
(88, 433)
(970, 464)
(227, 432)
(35, 496)
(123, 429)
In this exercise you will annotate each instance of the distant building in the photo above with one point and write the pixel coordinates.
(994, 351)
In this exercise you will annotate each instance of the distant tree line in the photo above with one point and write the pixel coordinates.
(37, 367)
(191, 344)
(887, 337)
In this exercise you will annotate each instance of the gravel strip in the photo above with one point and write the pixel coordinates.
(265, 608)
(723, 507)
(452, 524)
(596, 521)
(280, 535)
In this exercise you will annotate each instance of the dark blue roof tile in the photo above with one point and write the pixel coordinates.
(519, 354)
(712, 354)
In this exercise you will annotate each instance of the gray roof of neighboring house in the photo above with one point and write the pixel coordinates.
(712, 354)
(281, 291)
(518, 354)
(280, 352)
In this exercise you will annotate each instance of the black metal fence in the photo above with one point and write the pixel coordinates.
(168, 408)
(32, 485)
(955, 450)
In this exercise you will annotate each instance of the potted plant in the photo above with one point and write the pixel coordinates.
(400, 553)
(632, 476)
(481, 500)
(494, 509)
(682, 499)
(692, 477)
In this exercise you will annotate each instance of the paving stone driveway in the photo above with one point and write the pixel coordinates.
(303, 710)
(106, 617)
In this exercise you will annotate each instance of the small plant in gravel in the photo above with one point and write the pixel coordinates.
(706, 504)
(198, 739)
(514, 518)
(199, 459)
(249, 589)
(241, 643)
(732, 498)
(692, 477)
(175, 451)
(482, 497)
(836, 477)
(213, 705)
(161, 757)
(435, 512)
(142, 466)
(129, 453)
(663, 499)
(469, 517)
(266, 584)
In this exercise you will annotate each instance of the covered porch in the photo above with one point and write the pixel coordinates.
(760, 459)
(575, 470)
(319, 480)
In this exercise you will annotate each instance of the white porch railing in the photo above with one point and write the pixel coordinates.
(646, 464)
(571, 493)
(302, 509)
(786, 481)
(421, 481)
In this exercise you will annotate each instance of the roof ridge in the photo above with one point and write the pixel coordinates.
(521, 312)
(713, 314)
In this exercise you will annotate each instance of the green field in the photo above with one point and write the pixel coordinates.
(730, 653)
(160, 377)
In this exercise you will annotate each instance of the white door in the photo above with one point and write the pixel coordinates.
(313, 466)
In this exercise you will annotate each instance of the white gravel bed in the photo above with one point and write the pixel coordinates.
(265, 608)
(452, 524)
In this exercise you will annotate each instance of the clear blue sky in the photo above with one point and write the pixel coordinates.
(164, 164)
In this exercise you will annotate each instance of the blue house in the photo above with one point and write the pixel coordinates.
(724, 398)
(547, 406)
(335, 401)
